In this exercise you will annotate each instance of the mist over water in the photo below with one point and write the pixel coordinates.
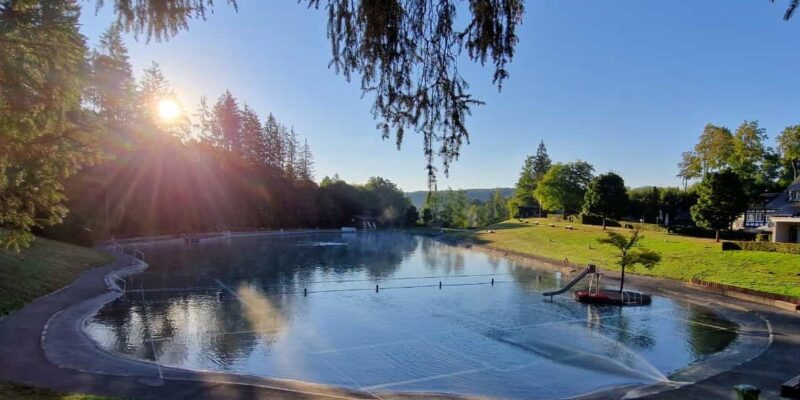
(239, 306)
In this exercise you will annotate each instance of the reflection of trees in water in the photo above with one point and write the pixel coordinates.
(189, 324)
(442, 257)
(706, 340)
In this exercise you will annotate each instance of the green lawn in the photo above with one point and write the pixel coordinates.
(682, 257)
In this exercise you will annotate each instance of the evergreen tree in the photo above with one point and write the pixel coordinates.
(227, 126)
(253, 143)
(205, 123)
(45, 136)
(274, 143)
(306, 164)
(112, 87)
(541, 162)
(290, 154)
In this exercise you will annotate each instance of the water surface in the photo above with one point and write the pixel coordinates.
(238, 305)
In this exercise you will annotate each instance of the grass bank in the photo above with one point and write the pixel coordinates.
(19, 392)
(683, 257)
(44, 267)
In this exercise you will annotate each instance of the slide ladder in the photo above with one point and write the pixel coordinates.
(590, 269)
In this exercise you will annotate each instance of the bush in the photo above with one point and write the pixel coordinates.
(587, 219)
(709, 234)
(788, 248)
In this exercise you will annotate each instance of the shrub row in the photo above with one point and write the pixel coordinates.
(587, 219)
(789, 248)
(708, 233)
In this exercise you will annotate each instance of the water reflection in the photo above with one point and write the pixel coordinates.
(239, 306)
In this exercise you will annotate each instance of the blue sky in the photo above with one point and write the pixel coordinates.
(626, 85)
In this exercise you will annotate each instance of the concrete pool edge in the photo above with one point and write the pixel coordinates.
(178, 382)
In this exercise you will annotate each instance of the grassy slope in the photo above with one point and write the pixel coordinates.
(40, 269)
(683, 257)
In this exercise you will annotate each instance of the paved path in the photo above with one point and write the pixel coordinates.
(66, 360)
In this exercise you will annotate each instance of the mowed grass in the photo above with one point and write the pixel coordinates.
(44, 267)
(683, 257)
(20, 392)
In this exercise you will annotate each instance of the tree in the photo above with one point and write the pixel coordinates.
(789, 145)
(112, 88)
(305, 165)
(227, 126)
(45, 135)
(526, 184)
(253, 143)
(689, 167)
(630, 252)
(541, 162)
(748, 152)
(715, 148)
(496, 210)
(427, 215)
(411, 216)
(564, 186)
(606, 196)
(721, 199)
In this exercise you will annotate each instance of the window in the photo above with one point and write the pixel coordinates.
(794, 195)
(755, 218)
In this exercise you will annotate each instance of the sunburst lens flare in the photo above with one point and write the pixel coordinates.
(168, 109)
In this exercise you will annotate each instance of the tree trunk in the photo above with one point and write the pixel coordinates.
(622, 280)
(717, 235)
(604, 223)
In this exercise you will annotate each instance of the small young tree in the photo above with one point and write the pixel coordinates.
(630, 252)
(606, 196)
(721, 199)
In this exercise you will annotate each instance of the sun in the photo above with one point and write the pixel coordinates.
(168, 109)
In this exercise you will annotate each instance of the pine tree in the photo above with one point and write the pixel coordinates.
(253, 144)
(204, 124)
(112, 88)
(306, 164)
(290, 154)
(274, 143)
(541, 162)
(227, 124)
(45, 136)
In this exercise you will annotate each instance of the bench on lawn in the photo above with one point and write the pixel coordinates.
(791, 388)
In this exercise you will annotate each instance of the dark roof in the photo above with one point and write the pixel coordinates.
(782, 206)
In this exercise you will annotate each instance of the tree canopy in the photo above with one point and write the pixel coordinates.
(721, 199)
(606, 196)
(563, 186)
(630, 252)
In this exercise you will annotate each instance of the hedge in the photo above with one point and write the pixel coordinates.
(710, 234)
(789, 248)
(587, 219)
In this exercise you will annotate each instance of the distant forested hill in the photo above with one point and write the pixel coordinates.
(418, 198)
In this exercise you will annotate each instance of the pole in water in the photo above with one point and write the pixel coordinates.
(376, 289)
(440, 284)
(492, 281)
(305, 292)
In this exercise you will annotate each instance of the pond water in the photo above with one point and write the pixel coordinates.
(238, 305)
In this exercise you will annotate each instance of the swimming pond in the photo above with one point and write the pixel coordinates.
(384, 311)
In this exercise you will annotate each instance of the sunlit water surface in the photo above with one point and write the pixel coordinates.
(238, 305)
